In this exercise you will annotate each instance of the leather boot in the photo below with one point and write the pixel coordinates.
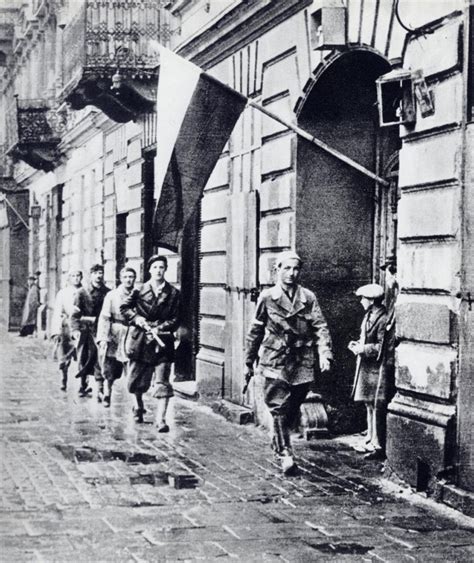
(64, 379)
(283, 445)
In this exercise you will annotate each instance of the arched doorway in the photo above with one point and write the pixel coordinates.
(337, 209)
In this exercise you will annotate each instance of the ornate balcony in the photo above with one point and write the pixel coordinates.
(107, 57)
(34, 133)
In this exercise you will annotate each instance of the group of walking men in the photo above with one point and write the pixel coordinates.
(132, 330)
(124, 330)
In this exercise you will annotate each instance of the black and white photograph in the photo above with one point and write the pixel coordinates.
(236, 281)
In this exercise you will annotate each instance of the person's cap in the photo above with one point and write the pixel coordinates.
(389, 261)
(96, 268)
(287, 255)
(370, 291)
(156, 258)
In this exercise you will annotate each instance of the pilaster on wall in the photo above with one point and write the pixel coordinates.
(123, 194)
(429, 259)
(210, 359)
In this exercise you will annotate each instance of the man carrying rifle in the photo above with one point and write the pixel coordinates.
(288, 327)
(111, 332)
(153, 315)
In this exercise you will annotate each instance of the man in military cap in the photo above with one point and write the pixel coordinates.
(97, 291)
(287, 327)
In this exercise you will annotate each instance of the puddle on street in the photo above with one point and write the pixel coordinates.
(155, 479)
(341, 548)
(87, 454)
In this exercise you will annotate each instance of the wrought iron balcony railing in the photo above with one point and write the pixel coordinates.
(107, 43)
(34, 133)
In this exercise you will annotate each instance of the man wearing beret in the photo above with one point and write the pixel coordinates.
(153, 315)
(287, 328)
(368, 350)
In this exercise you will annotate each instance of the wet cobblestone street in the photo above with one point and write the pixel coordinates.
(85, 483)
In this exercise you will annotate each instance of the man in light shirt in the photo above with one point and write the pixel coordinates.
(111, 332)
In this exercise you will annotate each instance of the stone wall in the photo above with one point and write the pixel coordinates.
(422, 414)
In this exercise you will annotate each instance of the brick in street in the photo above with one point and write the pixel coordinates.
(85, 483)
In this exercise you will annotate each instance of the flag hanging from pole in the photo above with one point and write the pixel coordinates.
(195, 117)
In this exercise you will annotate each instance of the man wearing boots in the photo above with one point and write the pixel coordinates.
(153, 315)
(287, 327)
(111, 332)
(97, 291)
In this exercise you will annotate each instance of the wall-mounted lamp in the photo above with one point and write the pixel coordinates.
(35, 211)
(395, 98)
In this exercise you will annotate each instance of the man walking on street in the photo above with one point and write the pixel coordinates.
(30, 308)
(153, 313)
(287, 327)
(97, 291)
(65, 329)
(111, 332)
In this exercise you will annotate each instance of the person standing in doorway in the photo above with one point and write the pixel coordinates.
(287, 328)
(153, 313)
(30, 308)
(111, 331)
(368, 350)
(386, 383)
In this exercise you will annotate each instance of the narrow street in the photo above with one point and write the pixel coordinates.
(85, 483)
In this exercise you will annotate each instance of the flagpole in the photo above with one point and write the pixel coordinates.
(321, 144)
(301, 132)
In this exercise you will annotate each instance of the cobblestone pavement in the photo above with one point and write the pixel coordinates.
(83, 483)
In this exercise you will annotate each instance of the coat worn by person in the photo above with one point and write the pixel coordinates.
(367, 386)
(285, 334)
(30, 308)
(111, 327)
(97, 296)
(65, 322)
(161, 312)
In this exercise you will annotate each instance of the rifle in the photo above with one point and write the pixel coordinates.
(155, 334)
(248, 377)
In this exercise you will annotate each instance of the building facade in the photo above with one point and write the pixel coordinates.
(317, 65)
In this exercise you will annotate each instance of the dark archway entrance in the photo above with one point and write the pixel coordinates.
(336, 209)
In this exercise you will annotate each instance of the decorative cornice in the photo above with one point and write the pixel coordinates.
(237, 28)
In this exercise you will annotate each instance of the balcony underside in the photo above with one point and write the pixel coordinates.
(41, 156)
(122, 101)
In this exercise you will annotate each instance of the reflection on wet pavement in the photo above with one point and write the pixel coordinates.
(84, 483)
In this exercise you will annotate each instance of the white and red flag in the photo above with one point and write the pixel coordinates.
(195, 117)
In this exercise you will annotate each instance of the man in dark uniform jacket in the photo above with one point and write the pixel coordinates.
(153, 313)
(97, 291)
